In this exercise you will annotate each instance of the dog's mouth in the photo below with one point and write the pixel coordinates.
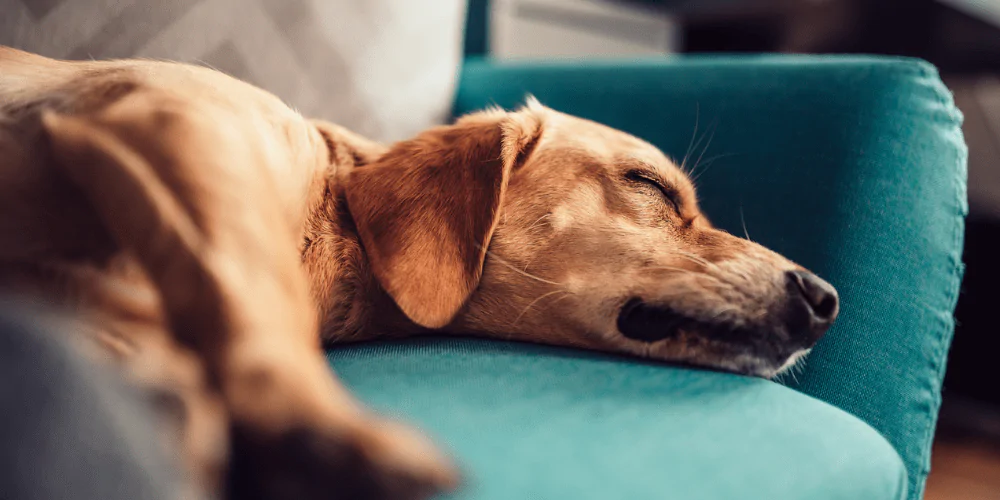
(640, 321)
(643, 322)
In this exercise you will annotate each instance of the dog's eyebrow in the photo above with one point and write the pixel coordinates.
(649, 171)
(675, 190)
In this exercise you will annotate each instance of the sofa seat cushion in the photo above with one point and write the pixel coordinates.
(535, 422)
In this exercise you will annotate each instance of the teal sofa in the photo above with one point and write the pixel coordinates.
(852, 166)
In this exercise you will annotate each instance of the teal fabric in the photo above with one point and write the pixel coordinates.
(538, 423)
(852, 166)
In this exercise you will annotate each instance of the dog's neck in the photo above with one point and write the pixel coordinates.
(352, 306)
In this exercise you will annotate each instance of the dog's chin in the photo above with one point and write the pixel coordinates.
(714, 345)
(791, 362)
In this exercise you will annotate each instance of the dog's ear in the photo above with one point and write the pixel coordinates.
(426, 209)
(346, 147)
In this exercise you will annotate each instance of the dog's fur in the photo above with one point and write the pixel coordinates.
(209, 238)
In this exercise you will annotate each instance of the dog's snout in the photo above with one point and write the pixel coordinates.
(814, 305)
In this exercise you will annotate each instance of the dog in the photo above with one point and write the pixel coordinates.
(209, 240)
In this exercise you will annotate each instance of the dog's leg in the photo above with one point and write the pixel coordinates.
(121, 312)
(194, 416)
(223, 258)
(118, 322)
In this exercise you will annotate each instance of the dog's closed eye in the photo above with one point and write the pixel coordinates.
(647, 180)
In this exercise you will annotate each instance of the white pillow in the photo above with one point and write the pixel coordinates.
(383, 68)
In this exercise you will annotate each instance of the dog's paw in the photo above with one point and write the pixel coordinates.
(377, 460)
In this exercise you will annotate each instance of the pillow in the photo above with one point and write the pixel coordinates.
(383, 68)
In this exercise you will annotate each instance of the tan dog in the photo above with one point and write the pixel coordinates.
(209, 238)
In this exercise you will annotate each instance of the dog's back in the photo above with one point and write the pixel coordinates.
(56, 246)
(41, 215)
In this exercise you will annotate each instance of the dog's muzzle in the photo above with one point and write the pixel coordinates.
(809, 307)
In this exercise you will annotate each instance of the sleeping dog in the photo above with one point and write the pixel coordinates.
(209, 240)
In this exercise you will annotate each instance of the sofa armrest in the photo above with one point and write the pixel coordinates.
(854, 167)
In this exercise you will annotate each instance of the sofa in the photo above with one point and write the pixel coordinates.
(853, 166)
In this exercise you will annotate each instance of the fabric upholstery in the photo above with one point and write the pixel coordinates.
(854, 167)
(70, 429)
(541, 423)
(383, 68)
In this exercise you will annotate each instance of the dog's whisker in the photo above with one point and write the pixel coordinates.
(697, 144)
(744, 222)
(797, 368)
(709, 269)
(516, 270)
(540, 219)
(694, 168)
(533, 302)
(716, 283)
(715, 280)
(523, 273)
(707, 163)
(669, 268)
(800, 365)
(510, 333)
(695, 259)
(717, 157)
(687, 153)
(568, 294)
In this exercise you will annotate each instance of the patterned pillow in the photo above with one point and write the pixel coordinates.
(383, 68)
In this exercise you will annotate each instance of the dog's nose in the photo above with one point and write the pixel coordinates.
(814, 305)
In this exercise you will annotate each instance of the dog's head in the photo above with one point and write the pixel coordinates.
(540, 226)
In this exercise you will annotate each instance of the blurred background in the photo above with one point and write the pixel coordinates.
(961, 37)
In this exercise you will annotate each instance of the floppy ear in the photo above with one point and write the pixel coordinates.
(426, 210)
(346, 146)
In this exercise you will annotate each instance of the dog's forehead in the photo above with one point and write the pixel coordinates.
(609, 146)
(563, 127)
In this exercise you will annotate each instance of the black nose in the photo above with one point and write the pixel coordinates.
(813, 305)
